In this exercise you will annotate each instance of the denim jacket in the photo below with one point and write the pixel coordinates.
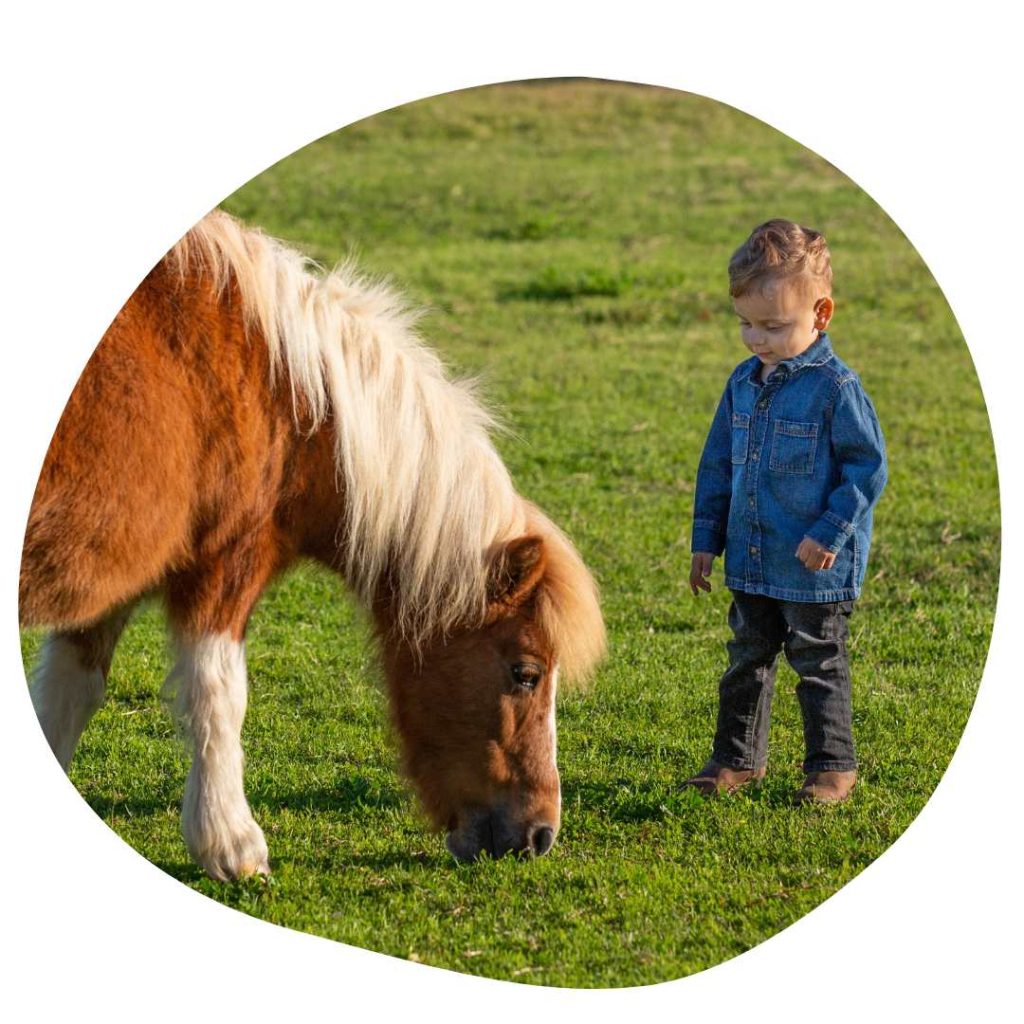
(799, 455)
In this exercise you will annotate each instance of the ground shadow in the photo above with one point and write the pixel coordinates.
(134, 807)
(349, 795)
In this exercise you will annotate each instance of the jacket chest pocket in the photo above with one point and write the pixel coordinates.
(740, 437)
(793, 447)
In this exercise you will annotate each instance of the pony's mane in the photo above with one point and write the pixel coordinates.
(428, 498)
(568, 604)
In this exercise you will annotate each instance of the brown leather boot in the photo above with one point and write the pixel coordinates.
(715, 779)
(825, 787)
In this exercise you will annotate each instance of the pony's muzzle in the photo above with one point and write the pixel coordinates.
(493, 834)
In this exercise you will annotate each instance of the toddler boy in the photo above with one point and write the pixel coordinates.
(792, 468)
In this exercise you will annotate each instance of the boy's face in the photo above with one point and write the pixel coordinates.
(781, 319)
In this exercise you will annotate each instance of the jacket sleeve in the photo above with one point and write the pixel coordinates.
(714, 483)
(859, 450)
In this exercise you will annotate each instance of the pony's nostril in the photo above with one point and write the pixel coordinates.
(488, 839)
(542, 839)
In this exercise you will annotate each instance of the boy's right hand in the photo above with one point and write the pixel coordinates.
(700, 570)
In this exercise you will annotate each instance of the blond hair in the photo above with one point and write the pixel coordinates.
(781, 250)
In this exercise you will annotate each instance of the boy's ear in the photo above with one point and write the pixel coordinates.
(823, 310)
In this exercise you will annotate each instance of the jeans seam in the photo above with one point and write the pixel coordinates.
(755, 754)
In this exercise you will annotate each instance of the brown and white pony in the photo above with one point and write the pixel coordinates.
(245, 410)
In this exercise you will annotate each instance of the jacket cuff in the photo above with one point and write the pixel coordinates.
(831, 532)
(707, 537)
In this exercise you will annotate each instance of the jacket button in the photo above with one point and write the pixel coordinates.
(753, 551)
(763, 404)
(753, 456)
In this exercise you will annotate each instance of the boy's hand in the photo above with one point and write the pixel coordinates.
(700, 570)
(814, 556)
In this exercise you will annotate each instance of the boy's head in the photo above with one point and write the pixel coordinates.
(780, 250)
(781, 283)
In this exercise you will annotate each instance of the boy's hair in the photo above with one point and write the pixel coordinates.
(780, 249)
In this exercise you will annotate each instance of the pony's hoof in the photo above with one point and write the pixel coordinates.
(233, 866)
(234, 857)
(251, 869)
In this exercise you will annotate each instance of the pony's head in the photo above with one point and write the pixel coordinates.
(480, 602)
(475, 711)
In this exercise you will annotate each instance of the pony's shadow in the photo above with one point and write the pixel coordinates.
(135, 807)
(380, 863)
(351, 799)
(348, 796)
(353, 805)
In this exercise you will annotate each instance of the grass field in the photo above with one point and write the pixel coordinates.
(569, 240)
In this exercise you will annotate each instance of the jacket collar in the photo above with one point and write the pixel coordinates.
(819, 353)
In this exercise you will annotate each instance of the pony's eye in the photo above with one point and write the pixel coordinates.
(526, 674)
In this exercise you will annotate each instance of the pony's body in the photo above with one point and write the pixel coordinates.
(241, 413)
(145, 488)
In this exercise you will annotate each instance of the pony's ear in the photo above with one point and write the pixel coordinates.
(516, 571)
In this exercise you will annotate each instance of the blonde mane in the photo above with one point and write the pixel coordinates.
(428, 498)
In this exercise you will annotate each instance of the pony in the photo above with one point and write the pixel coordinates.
(247, 409)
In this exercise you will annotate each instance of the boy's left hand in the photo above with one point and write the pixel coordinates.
(814, 556)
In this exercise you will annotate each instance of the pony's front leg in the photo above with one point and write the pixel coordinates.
(70, 681)
(218, 826)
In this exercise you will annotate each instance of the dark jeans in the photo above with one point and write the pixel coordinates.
(814, 639)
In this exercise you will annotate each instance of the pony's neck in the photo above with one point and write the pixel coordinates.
(314, 502)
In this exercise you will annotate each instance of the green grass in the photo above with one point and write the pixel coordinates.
(569, 240)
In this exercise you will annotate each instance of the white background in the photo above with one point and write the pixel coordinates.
(125, 123)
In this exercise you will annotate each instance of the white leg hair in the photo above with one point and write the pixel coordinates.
(218, 826)
(65, 695)
(70, 682)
